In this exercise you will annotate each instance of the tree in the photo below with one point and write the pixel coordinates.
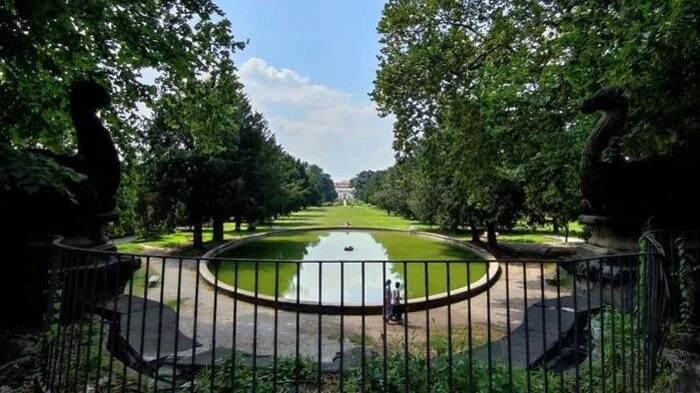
(321, 188)
(360, 183)
(46, 45)
(446, 73)
(191, 154)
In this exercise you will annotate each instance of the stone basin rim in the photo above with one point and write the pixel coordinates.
(352, 308)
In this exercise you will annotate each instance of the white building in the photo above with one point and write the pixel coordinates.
(344, 190)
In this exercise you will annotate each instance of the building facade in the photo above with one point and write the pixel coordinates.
(344, 190)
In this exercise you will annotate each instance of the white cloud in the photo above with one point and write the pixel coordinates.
(316, 123)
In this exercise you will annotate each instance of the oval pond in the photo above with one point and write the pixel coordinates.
(329, 245)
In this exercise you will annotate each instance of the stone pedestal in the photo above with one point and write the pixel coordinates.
(613, 233)
(28, 260)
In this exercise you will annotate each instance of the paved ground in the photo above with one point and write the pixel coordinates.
(255, 326)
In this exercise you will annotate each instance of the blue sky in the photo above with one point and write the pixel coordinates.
(308, 68)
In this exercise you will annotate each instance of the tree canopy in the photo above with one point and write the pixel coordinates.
(486, 97)
(191, 146)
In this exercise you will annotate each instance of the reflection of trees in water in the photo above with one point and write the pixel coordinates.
(285, 247)
(413, 247)
(437, 276)
(394, 246)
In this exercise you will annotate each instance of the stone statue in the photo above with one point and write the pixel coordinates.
(622, 195)
(97, 157)
(32, 221)
(594, 172)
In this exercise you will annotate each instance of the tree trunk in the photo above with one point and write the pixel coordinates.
(566, 233)
(197, 241)
(239, 220)
(491, 241)
(475, 232)
(218, 229)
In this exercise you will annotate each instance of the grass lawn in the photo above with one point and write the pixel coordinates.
(326, 216)
(361, 215)
(517, 237)
(178, 239)
(357, 216)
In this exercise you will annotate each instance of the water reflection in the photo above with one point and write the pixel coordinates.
(325, 278)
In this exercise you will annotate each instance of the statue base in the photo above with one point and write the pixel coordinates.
(613, 233)
(24, 284)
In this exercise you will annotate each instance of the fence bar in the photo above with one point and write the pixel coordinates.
(163, 261)
(319, 358)
(427, 328)
(195, 320)
(615, 339)
(448, 270)
(276, 323)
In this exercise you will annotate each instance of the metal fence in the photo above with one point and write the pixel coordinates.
(134, 323)
(681, 251)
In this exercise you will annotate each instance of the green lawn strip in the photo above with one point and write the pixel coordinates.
(139, 281)
(358, 215)
(575, 229)
(178, 239)
(516, 237)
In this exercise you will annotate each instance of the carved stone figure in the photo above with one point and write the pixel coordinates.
(622, 195)
(97, 157)
(613, 103)
(31, 221)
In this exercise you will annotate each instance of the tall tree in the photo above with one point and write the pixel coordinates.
(46, 45)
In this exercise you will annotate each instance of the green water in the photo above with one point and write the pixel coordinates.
(309, 277)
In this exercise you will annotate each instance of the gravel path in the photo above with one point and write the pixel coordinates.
(255, 326)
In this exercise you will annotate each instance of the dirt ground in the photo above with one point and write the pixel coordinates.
(500, 307)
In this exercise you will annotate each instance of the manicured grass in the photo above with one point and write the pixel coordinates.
(177, 239)
(139, 281)
(326, 216)
(357, 215)
(516, 237)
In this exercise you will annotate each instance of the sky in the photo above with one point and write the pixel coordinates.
(308, 67)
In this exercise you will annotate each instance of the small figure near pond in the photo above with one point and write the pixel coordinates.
(349, 248)
(396, 304)
(387, 300)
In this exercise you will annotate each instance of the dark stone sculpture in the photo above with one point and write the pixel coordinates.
(33, 221)
(621, 196)
(97, 157)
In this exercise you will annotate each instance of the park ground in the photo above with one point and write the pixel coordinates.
(485, 315)
(358, 215)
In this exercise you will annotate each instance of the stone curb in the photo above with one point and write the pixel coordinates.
(432, 301)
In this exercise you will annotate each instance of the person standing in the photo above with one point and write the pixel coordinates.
(396, 303)
(387, 300)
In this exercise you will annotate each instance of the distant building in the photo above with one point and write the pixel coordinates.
(344, 190)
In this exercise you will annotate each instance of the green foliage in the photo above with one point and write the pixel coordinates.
(686, 275)
(586, 232)
(49, 44)
(84, 359)
(321, 187)
(27, 173)
(127, 199)
(203, 155)
(486, 98)
(198, 171)
(236, 374)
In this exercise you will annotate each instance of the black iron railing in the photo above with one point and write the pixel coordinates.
(125, 322)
